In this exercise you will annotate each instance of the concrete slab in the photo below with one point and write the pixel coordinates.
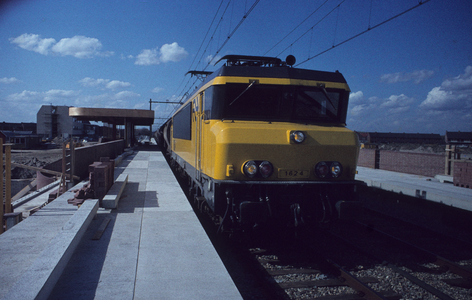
(24, 245)
(153, 248)
(111, 199)
(179, 264)
(40, 278)
(417, 186)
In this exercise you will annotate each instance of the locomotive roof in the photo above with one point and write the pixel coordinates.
(278, 72)
(266, 67)
(270, 67)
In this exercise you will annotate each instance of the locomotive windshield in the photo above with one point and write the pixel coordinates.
(279, 103)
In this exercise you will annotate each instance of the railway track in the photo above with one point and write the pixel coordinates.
(340, 269)
(437, 264)
(301, 272)
(440, 248)
(385, 258)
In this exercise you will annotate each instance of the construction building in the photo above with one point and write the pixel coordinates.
(54, 121)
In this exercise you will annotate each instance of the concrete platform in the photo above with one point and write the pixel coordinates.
(417, 186)
(152, 248)
(34, 252)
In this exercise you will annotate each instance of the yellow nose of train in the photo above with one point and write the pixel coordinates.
(273, 152)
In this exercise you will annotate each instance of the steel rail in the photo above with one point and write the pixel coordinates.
(403, 273)
(356, 284)
(440, 261)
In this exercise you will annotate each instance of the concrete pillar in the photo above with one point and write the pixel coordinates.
(113, 132)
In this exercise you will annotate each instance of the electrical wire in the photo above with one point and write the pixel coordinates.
(235, 29)
(361, 33)
(331, 11)
(244, 17)
(295, 28)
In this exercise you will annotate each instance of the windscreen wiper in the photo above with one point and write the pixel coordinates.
(248, 87)
(322, 86)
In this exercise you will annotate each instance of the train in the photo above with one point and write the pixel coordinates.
(263, 142)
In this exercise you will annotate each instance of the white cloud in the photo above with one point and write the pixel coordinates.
(115, 84)
(59, 95)
(51, 95)
(397, 104)
(168, 52)
(24, 96)
(157, 90)
(357, 110)
(415, 76)
(77, 46)
(356, 97)
(147, 57)
(91, 82)
(125, 95)
(446, 107)
(399, 110)
(107, 83)
(460, 83)
(379, 114)
(122, 56)
(453, 94)
(10, 80)
(33, 42)
(172, 52)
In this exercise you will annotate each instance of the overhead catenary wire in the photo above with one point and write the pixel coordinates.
(201, 45)
(362, 32)
(186, 89)
(232, 32)
(296, 27)
(206, 34)
(311, 28)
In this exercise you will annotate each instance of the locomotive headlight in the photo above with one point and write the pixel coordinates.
(266, 169)
(328, 169)
(297, 136)
(321, 169)
(250, 169)
(336, 169)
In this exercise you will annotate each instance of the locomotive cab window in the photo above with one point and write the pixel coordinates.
(251, 101)
(305, 104)
(313, 104)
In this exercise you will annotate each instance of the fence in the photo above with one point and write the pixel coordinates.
(425, 164)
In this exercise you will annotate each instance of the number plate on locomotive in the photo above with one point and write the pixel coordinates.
(285, 173)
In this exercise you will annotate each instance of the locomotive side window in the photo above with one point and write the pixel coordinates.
(207, 102)
(183, 123)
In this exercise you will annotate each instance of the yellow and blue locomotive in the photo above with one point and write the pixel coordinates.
(263, 141)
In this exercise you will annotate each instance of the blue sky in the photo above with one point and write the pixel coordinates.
(411, 74)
